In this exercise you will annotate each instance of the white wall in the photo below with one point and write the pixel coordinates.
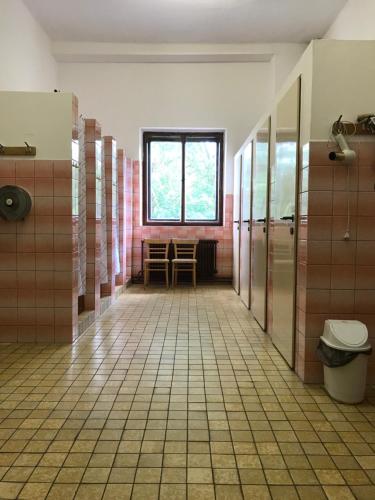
(26, 62)
(42, 119)
(343, 76)
(128, 97)
(356, 21)
(337, 78)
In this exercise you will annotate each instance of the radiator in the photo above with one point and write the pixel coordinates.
(206, 257)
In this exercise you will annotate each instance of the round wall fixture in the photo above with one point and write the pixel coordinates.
(15, 203)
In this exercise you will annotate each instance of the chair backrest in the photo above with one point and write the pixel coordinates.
(185, 249)
(157, 249)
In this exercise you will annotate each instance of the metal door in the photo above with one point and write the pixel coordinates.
(245, 225)
(236, 222)
(259, 226)
(282, 224)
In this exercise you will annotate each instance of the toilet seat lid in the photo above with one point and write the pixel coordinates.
(350, 333)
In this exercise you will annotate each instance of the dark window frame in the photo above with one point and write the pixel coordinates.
(182, 137)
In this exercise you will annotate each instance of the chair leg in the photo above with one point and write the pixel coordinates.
(173, 275)
(145, 277)
(194, 276)
(166, 276)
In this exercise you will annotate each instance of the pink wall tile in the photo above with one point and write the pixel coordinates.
(339, 279)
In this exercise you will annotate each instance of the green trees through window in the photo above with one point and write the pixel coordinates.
(182, 178)
(165, 180)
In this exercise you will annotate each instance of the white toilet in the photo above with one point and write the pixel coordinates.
(346, 383)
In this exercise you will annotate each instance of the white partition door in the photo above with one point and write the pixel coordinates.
(259, 226)
(282, 224)
(245, 225)
(236, 222)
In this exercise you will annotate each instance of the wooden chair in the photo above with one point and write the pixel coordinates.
(184, 259)
(156, 259)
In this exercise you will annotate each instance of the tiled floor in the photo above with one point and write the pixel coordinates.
(175, 395)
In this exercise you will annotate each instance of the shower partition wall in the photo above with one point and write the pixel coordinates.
(245, 225)
(236, 222)
(82, 209)
(259, 226)
(111, 202)
(282, 256)
(93, 164)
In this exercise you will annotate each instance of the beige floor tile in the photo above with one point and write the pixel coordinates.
(311, 492)
(70, 475)
(338, 493)
(252, 476)
(173, 492)
(226, 476)
(33, 491)
(255, 492)
(145, 491)
(201, 475)
(90, 492)
(280, 477)
(44, 474)
(284, 493)
(228, 492)
(174, 460)
(122, 475)
(148, 475)
(223, 461)
(117, 492)
(62, 492)
(364, 492)
(173, 475)
(329, 476)
(183, 395)
(355, 477)
(18, 474)
(301, 476)
(201, 492)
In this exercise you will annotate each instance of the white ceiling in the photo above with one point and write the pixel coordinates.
(185, 21)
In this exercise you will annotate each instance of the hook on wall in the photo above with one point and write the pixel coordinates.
(26, 150)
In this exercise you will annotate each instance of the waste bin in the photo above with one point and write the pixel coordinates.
(344, 350)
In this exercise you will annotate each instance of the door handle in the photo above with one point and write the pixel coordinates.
(236, 222)
(246, 220)
(260, 220)
(288, 217)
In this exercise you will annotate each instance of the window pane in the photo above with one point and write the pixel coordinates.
(165, 177)
(286, 152)
(200, 180)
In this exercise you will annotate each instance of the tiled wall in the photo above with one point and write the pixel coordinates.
(221, 233)
(335, 278)
(93, 211)
(39, 256)
(38, 285)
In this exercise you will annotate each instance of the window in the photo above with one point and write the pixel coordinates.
(182, 178)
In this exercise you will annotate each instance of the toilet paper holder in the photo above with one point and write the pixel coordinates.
(15, 203)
